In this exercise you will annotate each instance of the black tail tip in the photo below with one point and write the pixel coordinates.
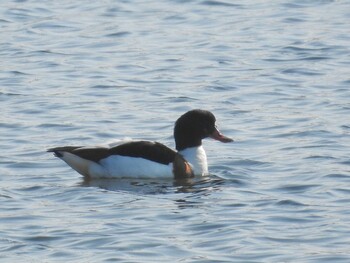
(55, 153)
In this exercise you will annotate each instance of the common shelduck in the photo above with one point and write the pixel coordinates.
(147, 159)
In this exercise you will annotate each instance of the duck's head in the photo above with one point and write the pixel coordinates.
(195, 125)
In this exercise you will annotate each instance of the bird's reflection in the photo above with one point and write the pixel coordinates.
(159, 186)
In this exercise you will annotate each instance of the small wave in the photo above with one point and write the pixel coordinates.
(219, 3)
(119, 34)
(297, 188)
(289, 203)
(301, 71)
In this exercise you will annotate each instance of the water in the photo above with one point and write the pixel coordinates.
(276, 75)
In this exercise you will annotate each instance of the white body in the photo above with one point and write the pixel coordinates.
(117, 166)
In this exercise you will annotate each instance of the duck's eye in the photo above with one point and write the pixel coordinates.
(211, 129)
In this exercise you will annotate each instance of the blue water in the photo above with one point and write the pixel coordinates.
(275, 73)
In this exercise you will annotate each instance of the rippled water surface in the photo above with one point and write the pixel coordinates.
(275, 73)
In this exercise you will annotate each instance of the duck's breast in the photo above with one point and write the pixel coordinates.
(197, 157)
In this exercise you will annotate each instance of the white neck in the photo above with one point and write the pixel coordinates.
(197, 158)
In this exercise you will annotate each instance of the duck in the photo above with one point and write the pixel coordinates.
(149, 159)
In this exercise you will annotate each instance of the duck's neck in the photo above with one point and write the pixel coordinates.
(188, 141)
(197, 157)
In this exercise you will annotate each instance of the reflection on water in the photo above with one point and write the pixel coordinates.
(163, 186)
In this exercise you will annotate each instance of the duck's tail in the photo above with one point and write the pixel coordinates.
(77, 163)
(58, 151)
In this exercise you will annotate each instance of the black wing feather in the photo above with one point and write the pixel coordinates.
(153, 151)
